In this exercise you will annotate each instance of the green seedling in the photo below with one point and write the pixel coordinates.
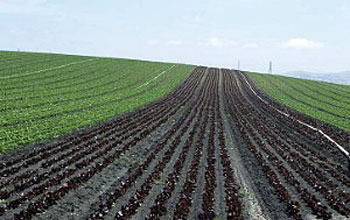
(243, 193)
(158, 182)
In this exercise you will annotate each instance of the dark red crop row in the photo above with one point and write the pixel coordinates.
(315, 177)
(159, 207)
(26, 160)
(184, 204)
(190, 150)
(107, 202)
(258, 130)
(50, 198)
(233, 202)
(232, 99)
(208, 211)
(333, 193)
(339, 135)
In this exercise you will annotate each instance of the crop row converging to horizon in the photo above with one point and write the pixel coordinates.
(197, 153)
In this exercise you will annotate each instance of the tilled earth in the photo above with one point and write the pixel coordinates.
(210, 150)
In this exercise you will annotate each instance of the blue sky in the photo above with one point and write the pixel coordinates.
(311, 35)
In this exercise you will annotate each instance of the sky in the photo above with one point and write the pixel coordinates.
(309, 35)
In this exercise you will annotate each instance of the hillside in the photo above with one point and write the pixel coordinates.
(327, 102)
(338, 77)
(214, 148)
(44, 96)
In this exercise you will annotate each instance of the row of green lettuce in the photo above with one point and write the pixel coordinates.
(45, 96)
(327, 102)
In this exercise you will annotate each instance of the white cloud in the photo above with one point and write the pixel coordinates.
(251, 45)
(219, 42)
(302, 43)
(175, 42)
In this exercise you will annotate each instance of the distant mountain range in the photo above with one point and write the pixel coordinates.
(339, 78)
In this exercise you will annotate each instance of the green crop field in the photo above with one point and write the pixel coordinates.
(325, 101)
(44, 96)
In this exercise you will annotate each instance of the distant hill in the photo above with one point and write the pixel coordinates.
(340, 77)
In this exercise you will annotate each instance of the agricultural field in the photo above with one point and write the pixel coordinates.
(330, 103)
(212, 145)
(45, 96)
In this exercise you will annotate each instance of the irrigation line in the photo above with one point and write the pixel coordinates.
(346, 153)
(156, 77)
(44, 70)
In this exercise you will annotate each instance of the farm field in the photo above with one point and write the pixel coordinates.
(210, 149)
(327, 102)
(45, 96)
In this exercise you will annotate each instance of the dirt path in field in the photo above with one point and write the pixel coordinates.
(260, 200)
(209, 150)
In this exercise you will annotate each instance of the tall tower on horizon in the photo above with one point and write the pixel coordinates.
(270, 67)
(239, 65)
